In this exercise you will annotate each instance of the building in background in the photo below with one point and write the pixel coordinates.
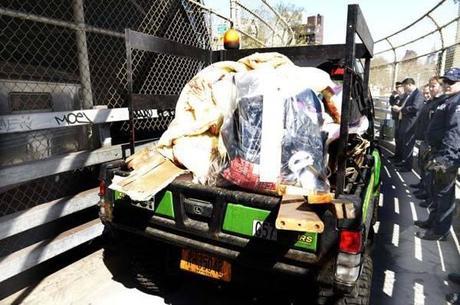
(310, 33)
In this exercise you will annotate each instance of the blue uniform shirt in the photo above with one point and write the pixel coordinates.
(443, 133)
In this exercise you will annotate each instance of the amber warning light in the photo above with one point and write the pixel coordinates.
(231, 38)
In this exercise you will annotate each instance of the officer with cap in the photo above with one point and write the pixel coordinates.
(443, 136)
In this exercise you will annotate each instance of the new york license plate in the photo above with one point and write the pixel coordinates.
(206, 265)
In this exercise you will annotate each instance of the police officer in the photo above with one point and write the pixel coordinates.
(443, 136)
(396, 99)
(408, 112)
(436, 97)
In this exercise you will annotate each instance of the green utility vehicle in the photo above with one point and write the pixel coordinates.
(229, 234)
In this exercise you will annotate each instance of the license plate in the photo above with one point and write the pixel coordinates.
(206, 265)
(264, 230)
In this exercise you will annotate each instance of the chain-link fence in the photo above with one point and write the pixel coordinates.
(427, 47)
(70, 55)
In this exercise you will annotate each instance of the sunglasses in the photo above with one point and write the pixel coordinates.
(448, 81)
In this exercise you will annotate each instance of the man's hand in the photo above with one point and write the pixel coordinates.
(396, 108)
(436, 167)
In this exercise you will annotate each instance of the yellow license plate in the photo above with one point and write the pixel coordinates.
(205, 264)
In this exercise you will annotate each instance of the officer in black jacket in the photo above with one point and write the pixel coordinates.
(396, 99)
(435, 98)
(443, 136)
(408, 112)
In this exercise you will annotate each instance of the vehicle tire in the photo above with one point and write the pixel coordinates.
(110, 240)
(155, 268)
(147, 275)
(375, 211)
(147, 272)
(362, 292)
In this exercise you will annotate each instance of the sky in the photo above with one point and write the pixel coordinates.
(383, 17)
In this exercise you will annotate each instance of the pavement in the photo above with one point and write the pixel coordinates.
(408, 270)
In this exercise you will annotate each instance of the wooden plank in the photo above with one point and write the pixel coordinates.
(343, 210)
(297, 216)
(324, 198)
(36, 169)
(45, 120)
(144, 182)
(24, 220)
(33, 255)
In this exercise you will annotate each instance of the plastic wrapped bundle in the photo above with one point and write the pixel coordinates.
(274, 139)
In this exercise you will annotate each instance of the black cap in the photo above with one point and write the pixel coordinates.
(408, 81)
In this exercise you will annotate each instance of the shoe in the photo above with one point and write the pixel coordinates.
(453, 298)
(422, 224)
(421, 196)
(425, 204)
(454, 277)
(430, 235)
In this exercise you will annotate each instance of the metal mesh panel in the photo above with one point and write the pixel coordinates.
(426, 48)
(40, 191)
(54, 50)
(381, 79)
(107, 58)
(116, 15)
(27, 101)
(167, 74)
(61, 9)
(46, 189)
(452, 57)
(42, 144)
(73, 53)
(35, 51)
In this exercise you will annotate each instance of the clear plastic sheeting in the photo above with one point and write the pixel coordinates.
(261, 123)
(301, 160)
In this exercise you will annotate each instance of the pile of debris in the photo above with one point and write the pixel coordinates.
(262, 124)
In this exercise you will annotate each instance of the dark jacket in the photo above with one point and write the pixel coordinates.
(410, 112)
(413, 104)
(423, 119)
(395, 100)
(443, 133)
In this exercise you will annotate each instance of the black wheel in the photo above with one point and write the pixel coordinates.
(375, 212)
(111, 240)
(362, 292)
(155, 269)
(147, 276)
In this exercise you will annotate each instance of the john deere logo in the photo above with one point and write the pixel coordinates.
(197, 210)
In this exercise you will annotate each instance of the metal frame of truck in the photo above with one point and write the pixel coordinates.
(192, 216)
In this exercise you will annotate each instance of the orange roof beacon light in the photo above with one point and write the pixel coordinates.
(231, 38)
